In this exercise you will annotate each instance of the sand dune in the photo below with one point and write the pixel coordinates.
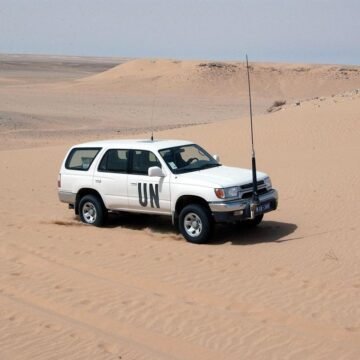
(226, 79)
(137, 290)
(94, 98)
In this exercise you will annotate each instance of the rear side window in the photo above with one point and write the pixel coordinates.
(81, 158)
(114, 160)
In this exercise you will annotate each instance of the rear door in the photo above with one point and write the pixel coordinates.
(110, 178)
(145, 193)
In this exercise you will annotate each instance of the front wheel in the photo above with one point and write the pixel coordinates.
(195, 224)
(91, 210)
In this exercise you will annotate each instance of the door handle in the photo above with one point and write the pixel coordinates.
(133, 183)
(98, 181)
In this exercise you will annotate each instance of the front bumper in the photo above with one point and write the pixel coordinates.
(237, 210)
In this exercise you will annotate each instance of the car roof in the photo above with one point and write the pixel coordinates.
(140, 144)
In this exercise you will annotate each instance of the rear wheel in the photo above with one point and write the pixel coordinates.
(195, 224)
(91, 210)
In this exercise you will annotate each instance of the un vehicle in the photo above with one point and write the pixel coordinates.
(175, 178)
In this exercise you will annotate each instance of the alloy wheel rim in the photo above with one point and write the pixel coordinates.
(192, 224)
(89, 212)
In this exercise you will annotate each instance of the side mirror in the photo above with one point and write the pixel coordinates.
(155, 171)
(216, 157)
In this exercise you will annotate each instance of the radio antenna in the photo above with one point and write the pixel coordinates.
(255, 197)
(152, 112)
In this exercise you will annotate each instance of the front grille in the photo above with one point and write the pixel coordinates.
(250, 185)
(249, 194)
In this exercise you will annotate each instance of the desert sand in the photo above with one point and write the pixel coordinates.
(135, 289)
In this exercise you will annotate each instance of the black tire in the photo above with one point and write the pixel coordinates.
(254, 222)
(91, 210)
(195, 224)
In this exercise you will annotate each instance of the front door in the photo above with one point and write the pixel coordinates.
(147, 193)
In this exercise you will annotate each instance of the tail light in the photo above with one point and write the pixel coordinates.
(59, 181)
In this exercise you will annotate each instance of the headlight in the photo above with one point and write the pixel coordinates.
(267, 183)
(229, 192)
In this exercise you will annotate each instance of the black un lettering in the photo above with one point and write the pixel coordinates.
(154, 195)
(142, 201)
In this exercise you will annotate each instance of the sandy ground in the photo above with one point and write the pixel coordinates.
(135, 289)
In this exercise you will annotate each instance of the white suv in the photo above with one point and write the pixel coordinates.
(167, 177)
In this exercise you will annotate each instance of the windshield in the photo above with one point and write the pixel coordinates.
(187, 158)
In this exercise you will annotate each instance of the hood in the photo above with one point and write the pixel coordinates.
(219, 177)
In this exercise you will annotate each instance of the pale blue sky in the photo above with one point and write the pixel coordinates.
(317, 31)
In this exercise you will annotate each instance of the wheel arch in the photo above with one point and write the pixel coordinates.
(86, 191)
(185, 200)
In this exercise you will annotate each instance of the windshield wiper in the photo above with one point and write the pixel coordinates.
(203, 167)
(207, 166)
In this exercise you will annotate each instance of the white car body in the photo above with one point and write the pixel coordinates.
(165, 194)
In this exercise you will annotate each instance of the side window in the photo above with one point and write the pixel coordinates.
(81, 158)
(114, 160)
(142, 160)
